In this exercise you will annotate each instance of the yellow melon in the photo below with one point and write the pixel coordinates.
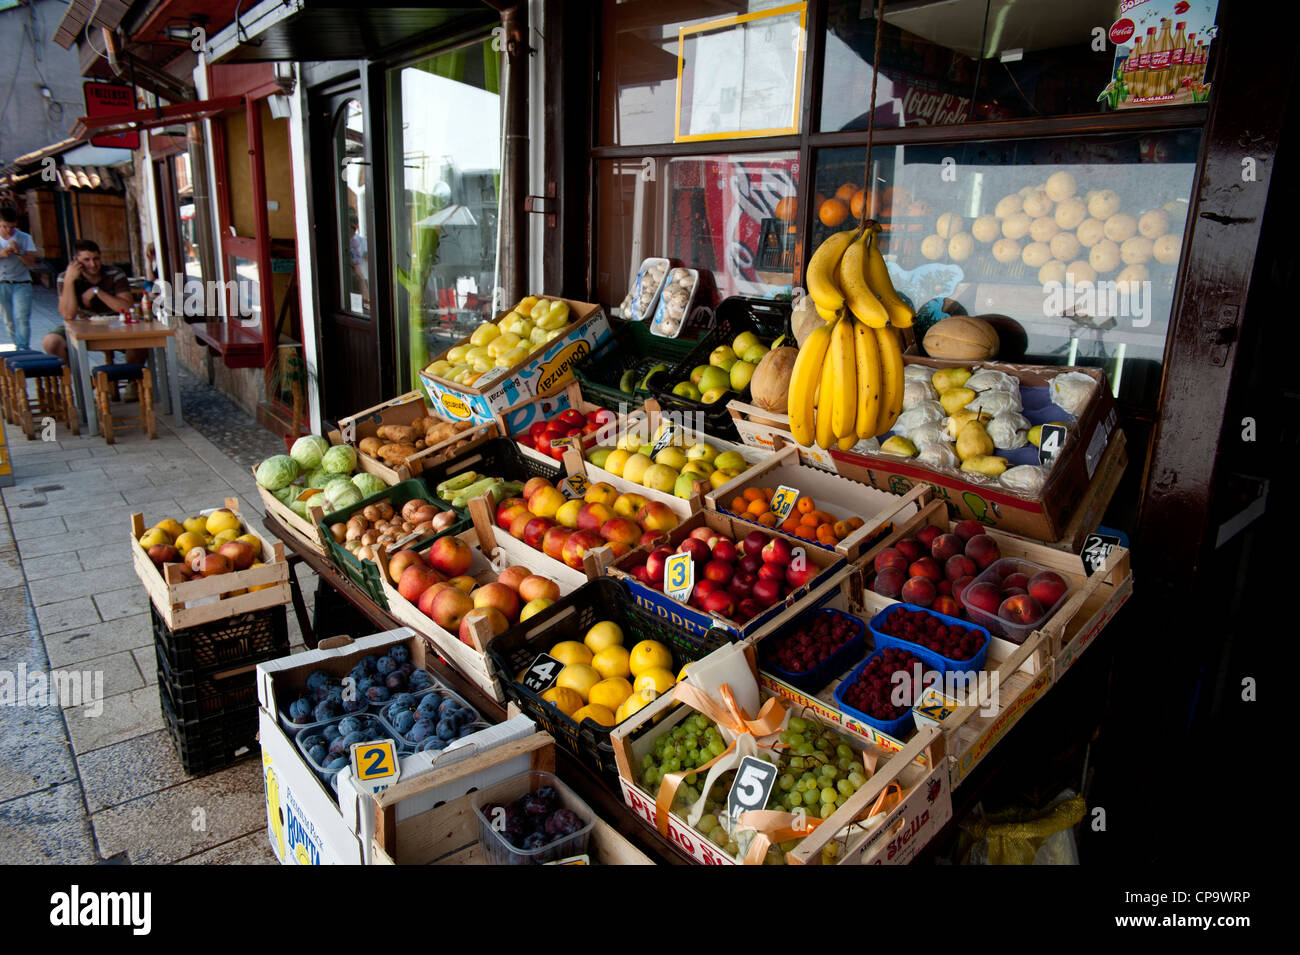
(962, 338)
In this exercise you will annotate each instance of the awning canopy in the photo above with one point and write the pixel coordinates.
(136, 119)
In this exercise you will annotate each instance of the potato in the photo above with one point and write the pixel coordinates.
(370, 446)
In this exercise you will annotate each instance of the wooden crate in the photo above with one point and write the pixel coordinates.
(783, 467)
(504, 551)
(768, 431)
(448, 834)
(401, 411)
(171, 593)
(301, 528)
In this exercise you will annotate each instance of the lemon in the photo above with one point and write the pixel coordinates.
(580, 678)
(602, 715)
(612, 661)
(611, 693)
(173, 528)
(636, 701)
(656, 678)
(649, 654)
(681, 674)
(571, 651)
(602, 635)
(563, 699)
(222, 520)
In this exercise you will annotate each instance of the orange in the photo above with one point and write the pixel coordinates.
(806, 533)
(738, 505)
(856, 522)
(842, 529)
(751, 494)
(845, 192)
(756, 508)
(833, 212)
(808, 520)
(855, 204)
(767, 519)
(790, 525)
(826, 534)
(768, 494)
(805, 505)
(786, 209)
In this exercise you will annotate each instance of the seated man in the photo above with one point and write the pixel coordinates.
(88, 288)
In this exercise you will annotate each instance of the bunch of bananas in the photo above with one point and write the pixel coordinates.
(847, 382)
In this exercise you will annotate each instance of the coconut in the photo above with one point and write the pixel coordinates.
(770, 385)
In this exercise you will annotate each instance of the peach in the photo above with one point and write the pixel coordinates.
(626, 505)
(959, 586)
(546, 501)
(928, 568)
(577, 545)
(982, 549)
(592, 516)
(910, 548)
(497, 595)
(533, 485)
(512, 577)
(450, 556)
(982, 596)
(1047, 587)
(968, 529)
(945, 605)
(536, 529)
(553, 542)
(519, 523)
(537, 587)
(889, 583)
(657, 517)
(927, 534)
(959, 565)
(945, 546)
(602, 493)
(891, 559)
(919, 591)
(620, 529)
(1020, 609)
(497, 623)
(1019, 581)
(449, 606)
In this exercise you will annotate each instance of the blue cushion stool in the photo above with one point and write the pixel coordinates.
(7, 404)
(124, 372)
(102, 376)
(53, 391)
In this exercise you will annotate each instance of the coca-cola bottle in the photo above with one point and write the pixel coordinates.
(1176, 58)
(1131, 72)
(1161, 54)
(1144, 64)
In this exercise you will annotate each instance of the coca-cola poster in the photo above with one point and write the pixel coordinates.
(1162, 49)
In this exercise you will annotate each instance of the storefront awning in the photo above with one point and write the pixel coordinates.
(136, 119)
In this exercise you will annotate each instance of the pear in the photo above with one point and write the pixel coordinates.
(954, 399)
(946, 378)
(898, 445)
(973, 440)
(1035, 436)
(984, 464)
(741, 372)
(730, 461)
(959, 418)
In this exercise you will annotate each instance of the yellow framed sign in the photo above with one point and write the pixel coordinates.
(740, 77)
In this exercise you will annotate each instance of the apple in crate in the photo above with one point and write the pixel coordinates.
(578, 544)
(449, 607)
(592, 516)
(725, 550)
(241, 554)
(602, 493)
(163, 554)
(766, 592)
(398, 563)
(657, 517)
(496, 621)
(536, 587)
(627, 505)
(535, 530)
(512, 577)
(450, 556)
(698, 550)
(497, 595)
(520, 522)
(719, 571)
(553, 542)
(753, 543)
(800, 573)
(508, 510)
(655, 563)
(425, 605)
(415, 580)
(546, 501)
(620, 530)
(777, 551)
(720, 602)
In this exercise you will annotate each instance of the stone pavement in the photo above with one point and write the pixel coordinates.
(76, 788)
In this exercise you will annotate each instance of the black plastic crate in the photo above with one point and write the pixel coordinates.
(209, 744)
(366, 574)
(777, 246)
(201, 694)
(497, 457)
(230, 642)
(633, 347)
(569, 618)
(767, 318)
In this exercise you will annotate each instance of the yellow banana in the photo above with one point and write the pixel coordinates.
(825, 406)
(826, 314)
(900, 316)
(820, 274)
(847, 444)
(843, 367)
(891, 365)
(870, 380)
(852, 274)
(804, 382)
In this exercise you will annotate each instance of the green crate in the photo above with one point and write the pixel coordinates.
(632, 346)
(366, 574)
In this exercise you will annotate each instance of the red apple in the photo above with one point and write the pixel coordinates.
(648, 539)
(553, 541)
(504, 515)
(450, 556)
(706, 534)
(750, 563)
(641, 574)
(657, 517)
(425, 606)
(415, 580)
(1047, 587)
(578, 544)
(766, 592)
(449, 606)
(163, 554)
(720, 602)
(618, 529)
(771, 572)
(720, 571)
(520, 522)
(537, 482)
(497, 595)
(800, 572)
(512, 577)
(698, 550)
(495, 619)
(777, 551)
(702, 590)
(754, 543)
(725, 550)
(655, 563)
(592, 516)
(535, 531)
(400, 561)
(534, 587)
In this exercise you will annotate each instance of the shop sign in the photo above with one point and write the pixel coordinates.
(108, 99)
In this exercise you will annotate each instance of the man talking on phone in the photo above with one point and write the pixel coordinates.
(89, 288)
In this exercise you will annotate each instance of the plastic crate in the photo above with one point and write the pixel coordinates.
(234, 641)
(499, 458)
(777, 246)
(205, 745)
(200, 694)
(767, 318)
(366, 574)
(631, 347)
(569, 618)
(897, 728)
(842, 659)
(497, 849)
(931, 658)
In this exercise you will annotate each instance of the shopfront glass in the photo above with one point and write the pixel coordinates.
(446, 120)
(351, 202)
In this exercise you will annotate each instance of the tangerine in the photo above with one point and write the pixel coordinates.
(786, 209)
(833, 212)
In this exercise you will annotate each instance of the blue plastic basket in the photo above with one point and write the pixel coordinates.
(931, 658)
(839, 661)
(897, 728)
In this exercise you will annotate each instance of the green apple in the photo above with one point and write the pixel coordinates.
(714, 395)
(702, 451)
(701, 469)
(720, 355)
(713, 378)
(684, 389)
(599, 456)
(697, 371)
(744, 342)
(660, 477)
(754, 355)
(672, 456)
(741, 372)
(646, 450)
(684, 486)
(730, 461)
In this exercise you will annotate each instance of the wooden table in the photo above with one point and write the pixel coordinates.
(87, 335)
(596, 790)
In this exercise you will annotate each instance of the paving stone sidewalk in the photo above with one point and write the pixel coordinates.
(76, 788)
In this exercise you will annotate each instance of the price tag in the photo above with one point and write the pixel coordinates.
(1050, 443)
(542, 673)
(574, 486)
(1096, 551)
(679, 577)
(665, 439)
(565, 442)
(754, 781)
(572, 860)
(374, 765)
(783, 502)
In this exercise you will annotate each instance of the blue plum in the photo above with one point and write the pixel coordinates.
(319, 753)
(368, 663)
(317, 679)
(385, 666)
(300, 710)
(377, 694)
(446, 730)
(420, 679)
(396, 682)
(399, 654)
(327, 709)
(421, 731)
(404, 721)
(433, 742)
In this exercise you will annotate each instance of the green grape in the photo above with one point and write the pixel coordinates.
(793, 799)
(828, 794)
(647, 761)
(786, 782)
(840, 800)
(844, 751)
(693, 757)
(731, 849)
(785, 736)
(789, 844)
(796, 740)
(717, 748)
(824, 744)
(798, 724)
(804, 784)
(845, 787)
(857, 779)
(828, 769)
(690, 794)
(692, 779)
(797, 763)
(830, 851)
(719, 837)
(707, 823)
(671, 765)
(844, 764)
(804, 749)
(827, 810)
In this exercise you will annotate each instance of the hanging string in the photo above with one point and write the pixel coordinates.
(867, 182)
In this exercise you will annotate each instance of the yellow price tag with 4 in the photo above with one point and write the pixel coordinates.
(783, 502)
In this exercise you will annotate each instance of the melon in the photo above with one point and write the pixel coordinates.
(961, 338)
(770, 386)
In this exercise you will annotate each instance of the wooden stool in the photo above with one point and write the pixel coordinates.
(8, 406)
(106, 378)
(53, 398)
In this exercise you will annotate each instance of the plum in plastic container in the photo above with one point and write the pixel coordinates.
(372, 728)
(995, 574)
(496, 845)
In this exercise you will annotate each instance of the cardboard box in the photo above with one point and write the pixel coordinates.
(541, 373)
(402, 410)
(306, 823)
(1045, 518)
(769, 431)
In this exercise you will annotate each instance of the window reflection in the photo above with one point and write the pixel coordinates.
(353, 175)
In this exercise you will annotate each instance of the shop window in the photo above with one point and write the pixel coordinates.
(354, 244)
(997, 228)
(446, 149)
(733, 217)
(1039, 58)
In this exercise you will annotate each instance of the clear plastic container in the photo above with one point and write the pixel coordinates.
(497, 849)
(406, 745)
(641, 301)
(995, 573)
(380, 731)
(668, 322)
